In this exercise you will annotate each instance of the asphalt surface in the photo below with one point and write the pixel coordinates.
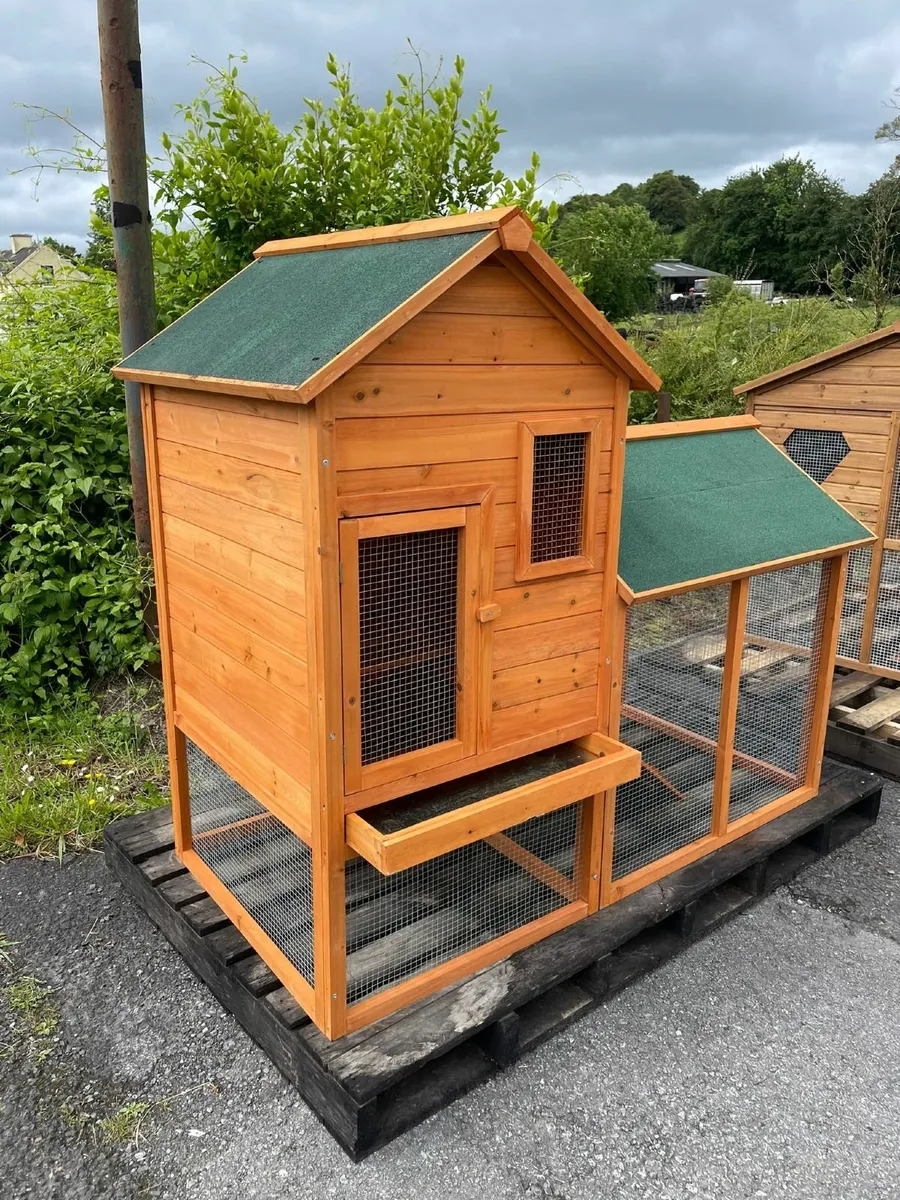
(764, 1062)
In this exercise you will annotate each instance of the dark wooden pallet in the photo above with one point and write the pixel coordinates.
(864, 721)
(376, 1083)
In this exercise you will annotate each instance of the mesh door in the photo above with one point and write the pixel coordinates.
(557, 497)
(886, 631)
(670, 712)
(400, 925)
(265, 866)
(853, 610)
(785, 610)
(408, 587)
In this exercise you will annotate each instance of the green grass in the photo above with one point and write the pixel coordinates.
(125, 1125)
(66, 774)
(31, 1000)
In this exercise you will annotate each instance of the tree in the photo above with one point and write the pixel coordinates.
(776, 222)
(610, 249)
(670, 199)
(890, 130)
(101, 249)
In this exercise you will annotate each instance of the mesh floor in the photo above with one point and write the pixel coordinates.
(265, 866)
(400, 925)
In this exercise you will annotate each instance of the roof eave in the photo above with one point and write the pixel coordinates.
(814, 361)
(209, 383)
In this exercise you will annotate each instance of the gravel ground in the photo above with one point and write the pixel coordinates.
(761, 1063)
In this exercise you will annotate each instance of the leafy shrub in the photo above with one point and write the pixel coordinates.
(701, 360)
(71, 582)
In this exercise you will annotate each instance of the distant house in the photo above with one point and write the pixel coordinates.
(677, 276)
(28, 261)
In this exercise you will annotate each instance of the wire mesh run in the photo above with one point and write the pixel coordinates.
(853, 610)
(408, 585)
(400, 925)
(266, 867)
(670, 712)
(893, 521)
(779, 663)
(818, 451)
(885, 650)
(557, 497)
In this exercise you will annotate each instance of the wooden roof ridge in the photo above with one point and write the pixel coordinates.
(373, 235)
(825, 356)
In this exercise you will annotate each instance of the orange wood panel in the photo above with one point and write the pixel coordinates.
(492, 290)
(504, 558)
(237, 435)
(498, 473)
(270, 410)
(547, 599)
(277, 537)
(550, 639)
(470, 339)
(552, 677)
(268, 488)
(250, 568)
(392, 390)
(834, 397)
(273, 622)
(552, 712)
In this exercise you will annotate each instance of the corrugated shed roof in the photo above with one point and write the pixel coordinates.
(284, 317)
(674, 268)
(704, 504)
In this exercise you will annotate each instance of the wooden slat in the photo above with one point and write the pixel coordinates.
(545, 600)
(846, 687)
(273, 622)
(283, 710)
(284, 672)
(859, 372)
(269, 410)
(392, 390)
(374, 235)
(468, 339)
(287, 753)
(505, 529)
(267, 488)
(489, 289)
(279, 537)
(277, 790)
(499, 473)
(639, 433)
(871, 715)
(535, 643)
(533, 681)
(779, 416)
(552, 712)
(869, 341)
(504, 559)
(250, 438)
(728, 704)
(278, 582)
(834, 398)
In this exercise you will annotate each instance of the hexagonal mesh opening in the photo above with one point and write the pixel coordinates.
(818, 451)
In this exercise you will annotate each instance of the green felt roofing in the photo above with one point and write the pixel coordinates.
(702, 504)
(285, 316)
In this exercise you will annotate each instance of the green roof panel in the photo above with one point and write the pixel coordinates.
(285, 316)
(702, 504)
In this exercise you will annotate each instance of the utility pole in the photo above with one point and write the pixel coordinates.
(126, 153)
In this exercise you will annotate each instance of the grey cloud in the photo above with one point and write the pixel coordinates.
(604, 92)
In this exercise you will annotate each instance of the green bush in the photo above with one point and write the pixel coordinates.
(701, 360)
(71, 582)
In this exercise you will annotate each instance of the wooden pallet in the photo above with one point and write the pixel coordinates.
(864, 721)
(376, 1083)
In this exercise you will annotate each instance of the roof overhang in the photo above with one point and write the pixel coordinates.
(804, 365)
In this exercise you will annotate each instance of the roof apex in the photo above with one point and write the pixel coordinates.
(373, 235)
(816, 360)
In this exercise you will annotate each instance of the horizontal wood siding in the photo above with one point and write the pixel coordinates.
(231, 496)
(440, 405)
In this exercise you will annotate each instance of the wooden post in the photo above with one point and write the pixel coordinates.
(663, 406)
(728, 705)
(830, 598)
(126, 155)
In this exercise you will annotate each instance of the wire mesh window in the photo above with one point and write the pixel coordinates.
(818, 451)
(785, 611)
(853, 610)
(893, 520)
(885, 650)
(400, 925)
(558, 496)
(671, 696)
(408, 601)
(266, 867)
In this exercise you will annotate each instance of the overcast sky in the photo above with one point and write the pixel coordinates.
(604, 91)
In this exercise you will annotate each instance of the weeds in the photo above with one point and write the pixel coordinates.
(31, 1001)
(64, 776)
(125, 1125)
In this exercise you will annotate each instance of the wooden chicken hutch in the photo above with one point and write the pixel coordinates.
(386, 473)
(837, 414)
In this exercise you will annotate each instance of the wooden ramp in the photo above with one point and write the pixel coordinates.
(376, 1083)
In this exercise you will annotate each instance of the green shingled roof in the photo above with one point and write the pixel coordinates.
(285, 316)
(702, 504)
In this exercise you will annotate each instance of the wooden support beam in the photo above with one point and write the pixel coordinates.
(728, 705)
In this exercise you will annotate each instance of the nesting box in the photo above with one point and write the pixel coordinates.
(837, 415)
(386, 473)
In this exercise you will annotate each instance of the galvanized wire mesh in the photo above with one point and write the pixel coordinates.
(785, 611)
(408, 586)
(400, 925)
(818, 451)
(853, 610)
(670, 712)
(893, 520)
(885, 650)
(557, 498)
(266, 867)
